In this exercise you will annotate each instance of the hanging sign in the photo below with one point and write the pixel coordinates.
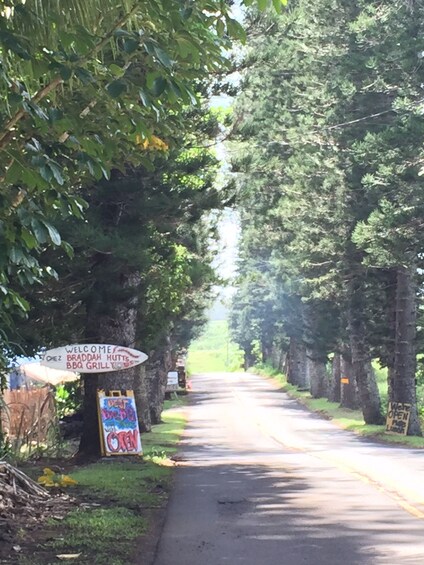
(398, 415)
(93, 358)
(172, 381)
(118, 422)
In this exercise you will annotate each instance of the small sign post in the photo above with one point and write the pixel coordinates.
(398, 415)
(118, 422)
(172, 382)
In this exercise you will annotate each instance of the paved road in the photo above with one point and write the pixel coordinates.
(264, 482)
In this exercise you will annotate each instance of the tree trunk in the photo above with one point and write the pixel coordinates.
(334, 383)
(317, 375)
(361, 359)
(142, 399)
(403, 383)
(117, 326)
(249, 358)
(348, 389)
(298, 373)
(388, 352)
(157, 367)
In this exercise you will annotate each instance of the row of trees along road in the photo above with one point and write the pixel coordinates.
(104, 178)
(329, 160)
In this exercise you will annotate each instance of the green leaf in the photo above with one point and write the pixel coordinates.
(236, 30)
(122, 33)
(144, 98)
(84, 76)
(16, 254)
(69, 250)
(116, 88)
(130, 45)
(262, 4)
(20, 302)
(13, 174)
(159, 85)
(116, 70)
(65, 72)
(46, 173)
(39, 231)
(53, 233)
(163, 57)
(55, 169)
(29, 239)
(220, 28)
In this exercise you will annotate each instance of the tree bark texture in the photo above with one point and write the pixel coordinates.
(369, 396)
(403, 387)
(297, 365)
(348, 391)
(317, 376)
(115, 325)
(249, 358)
(334, 380)
(157, 367)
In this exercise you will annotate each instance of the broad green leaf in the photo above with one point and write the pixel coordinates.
(116, 70)
(236, 30)
(57, 173)
(29, 239)
(163, 57)
(53, 233)
(84, 75)
(20, 302)
(116, 88)
(46, 173)
(130, 45)
(159, 85)
(65, 72)
(16, 254)
(39, 230)
(144, 98)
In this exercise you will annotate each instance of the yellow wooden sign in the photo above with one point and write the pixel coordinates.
(398, 415)
(344, 381)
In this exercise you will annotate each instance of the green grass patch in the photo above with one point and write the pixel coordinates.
(101, 535)
(351, 420)
(214, 351)
(120, 496)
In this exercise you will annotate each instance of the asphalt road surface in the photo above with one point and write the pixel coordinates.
(262, 481)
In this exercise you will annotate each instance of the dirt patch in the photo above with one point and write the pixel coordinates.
(27, 532)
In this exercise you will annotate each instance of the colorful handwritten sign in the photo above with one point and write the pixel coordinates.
(93, 358)
(119, 431)
(398, 415)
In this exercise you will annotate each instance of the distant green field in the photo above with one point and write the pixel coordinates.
(214, 351)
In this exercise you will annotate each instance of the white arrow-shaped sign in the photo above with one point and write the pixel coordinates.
(93, 358)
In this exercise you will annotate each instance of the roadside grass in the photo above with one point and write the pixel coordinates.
(118, 497)
(351, 420)
(214, 351)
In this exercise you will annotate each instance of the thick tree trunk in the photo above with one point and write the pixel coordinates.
(297, 365)
(266, 352)
(317, 376)
(117, 327)
(157, 367)
(334, 381)
(388, 354)
(361, 359)
(142, 399)
(249, 358)
(348, 389)
(403, 383)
